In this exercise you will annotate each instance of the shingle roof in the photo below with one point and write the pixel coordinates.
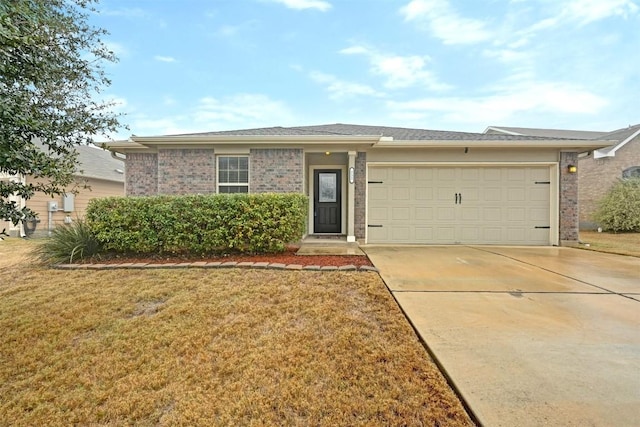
(397, 133)
(620, 134)
(547, 133)
(94, 162)
(98, 163)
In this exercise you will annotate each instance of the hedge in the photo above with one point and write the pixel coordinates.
(198, 224)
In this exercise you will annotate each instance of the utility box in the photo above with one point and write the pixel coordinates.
(53, 206)
(68, 202)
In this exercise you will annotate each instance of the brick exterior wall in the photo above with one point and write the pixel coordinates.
(568, 198)
(276, 170)
(186, 171)
(361, 195)
(596, 177)
(141, 174)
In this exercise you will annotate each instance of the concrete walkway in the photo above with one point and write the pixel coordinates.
(529, 336)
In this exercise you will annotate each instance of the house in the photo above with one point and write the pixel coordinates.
(598, 169)
(377, 184)
(97, 169)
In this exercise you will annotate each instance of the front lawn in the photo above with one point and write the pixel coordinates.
(617, 243)
(210, 347)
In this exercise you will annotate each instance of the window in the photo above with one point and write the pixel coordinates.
(233, 174)
(632, 172)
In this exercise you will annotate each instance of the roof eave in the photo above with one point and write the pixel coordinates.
(578, 144)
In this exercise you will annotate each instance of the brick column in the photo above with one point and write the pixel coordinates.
(568, 199)
(360, 195)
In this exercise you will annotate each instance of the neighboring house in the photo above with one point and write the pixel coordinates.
(598, 169)
(104, 176)
(380, 184)
(601, 168)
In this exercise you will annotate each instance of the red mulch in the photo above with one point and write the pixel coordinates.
(287, 257)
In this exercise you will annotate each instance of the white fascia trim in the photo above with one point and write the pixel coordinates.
(611, 151)
(577, 144)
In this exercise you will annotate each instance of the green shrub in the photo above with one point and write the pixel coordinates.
(69, 243)
(619, 210)
(198, 224)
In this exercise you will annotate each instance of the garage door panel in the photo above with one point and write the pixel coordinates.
(491, 214)
(401, 234)
(539, 194)
(400, 214)
(540, 215)
(401, 193)
(445, 213)
(424, 234)
(500, 205)
(492, 194)
(516, 195)
(378, 234)
(424, 193)
(400, 174)
(423, 214)
(378, 193)
(469, 234)
(378, 214)
(423, 174)
(470, 214)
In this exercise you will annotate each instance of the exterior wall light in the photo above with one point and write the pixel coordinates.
(572, 168)
(352, 175)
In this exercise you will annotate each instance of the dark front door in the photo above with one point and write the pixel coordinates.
(327, 210)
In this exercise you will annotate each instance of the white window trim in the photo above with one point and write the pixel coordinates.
(232, 184)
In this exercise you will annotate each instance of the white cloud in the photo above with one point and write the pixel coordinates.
(511, 100)
(320, 5)
(164, 58)
(399, 71)
(587, 11)
(444, 22)
(340, 89)
(241, 110)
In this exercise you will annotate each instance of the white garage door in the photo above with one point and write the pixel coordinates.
(466, 205)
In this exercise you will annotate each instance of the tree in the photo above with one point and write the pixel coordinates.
(51, 71)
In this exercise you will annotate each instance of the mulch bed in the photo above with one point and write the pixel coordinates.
(287, 257)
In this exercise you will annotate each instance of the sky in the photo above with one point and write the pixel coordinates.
(206, 65)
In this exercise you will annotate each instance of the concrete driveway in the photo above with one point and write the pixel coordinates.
(529, 336)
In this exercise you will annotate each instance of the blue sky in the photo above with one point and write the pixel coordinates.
(204, 65)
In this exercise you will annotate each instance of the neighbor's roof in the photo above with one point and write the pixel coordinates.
(621, 136)
(547, 133)
(94, 162)
(397, 133)
(97, 163)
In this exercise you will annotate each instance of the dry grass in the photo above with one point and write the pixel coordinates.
(617, 243)
(210, 347)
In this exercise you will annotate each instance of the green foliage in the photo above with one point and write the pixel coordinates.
(69, 243)
(50, 73)
(255, 223)
(619, 210)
